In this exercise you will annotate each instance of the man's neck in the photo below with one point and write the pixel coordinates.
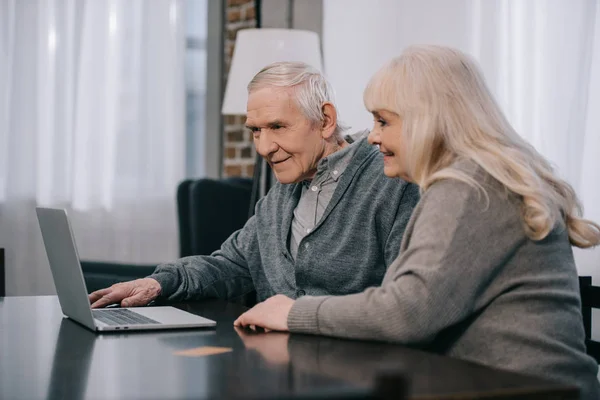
(331, 148)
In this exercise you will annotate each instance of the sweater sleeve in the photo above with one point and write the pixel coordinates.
(223, 274)
(456, 244)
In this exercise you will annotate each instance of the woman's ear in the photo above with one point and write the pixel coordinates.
(329, 120)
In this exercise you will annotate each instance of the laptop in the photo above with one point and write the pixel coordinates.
(73, 295)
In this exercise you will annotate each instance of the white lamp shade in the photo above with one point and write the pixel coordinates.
(255, 49)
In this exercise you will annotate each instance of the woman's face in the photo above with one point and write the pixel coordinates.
(387, 134)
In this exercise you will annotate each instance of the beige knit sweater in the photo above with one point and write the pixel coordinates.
(470, 284)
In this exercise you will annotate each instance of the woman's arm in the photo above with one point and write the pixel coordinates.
(456, 246)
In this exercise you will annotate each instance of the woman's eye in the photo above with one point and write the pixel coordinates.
(382, 122)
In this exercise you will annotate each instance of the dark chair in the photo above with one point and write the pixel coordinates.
(590, 299)
(218, 208)
(209, 211)
(2, 274)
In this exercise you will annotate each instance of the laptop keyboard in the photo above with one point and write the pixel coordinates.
(122, 317)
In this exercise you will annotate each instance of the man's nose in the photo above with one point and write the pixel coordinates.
(264, 145)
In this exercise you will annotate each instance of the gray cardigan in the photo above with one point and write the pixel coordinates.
(470, 284)
(347, 251)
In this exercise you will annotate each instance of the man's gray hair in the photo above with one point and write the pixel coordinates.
(310, 87)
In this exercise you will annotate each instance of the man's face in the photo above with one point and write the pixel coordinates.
(291, 144)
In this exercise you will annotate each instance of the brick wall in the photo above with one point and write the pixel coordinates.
(238, 151)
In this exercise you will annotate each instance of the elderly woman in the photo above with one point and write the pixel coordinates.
(486, 271)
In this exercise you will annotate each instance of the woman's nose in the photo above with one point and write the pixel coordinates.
(374, 137)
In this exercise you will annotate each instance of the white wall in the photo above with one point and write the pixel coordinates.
(359, 36)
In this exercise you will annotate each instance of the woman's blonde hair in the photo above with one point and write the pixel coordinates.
(448, 114)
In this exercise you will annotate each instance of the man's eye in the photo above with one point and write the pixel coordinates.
(277, 127)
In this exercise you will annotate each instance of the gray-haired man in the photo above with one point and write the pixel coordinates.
(331, 226)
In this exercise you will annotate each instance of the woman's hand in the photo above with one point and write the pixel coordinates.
(271, 314)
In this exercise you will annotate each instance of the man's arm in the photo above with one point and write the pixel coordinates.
(223, 274)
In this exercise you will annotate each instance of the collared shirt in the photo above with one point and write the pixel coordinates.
(316, 195)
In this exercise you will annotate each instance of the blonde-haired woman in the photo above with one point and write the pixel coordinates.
(486, 271)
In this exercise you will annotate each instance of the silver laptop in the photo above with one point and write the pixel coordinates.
(73, 295)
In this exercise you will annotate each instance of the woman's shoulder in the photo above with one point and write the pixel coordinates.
(459, 182)
(467, 188)
(468, 178)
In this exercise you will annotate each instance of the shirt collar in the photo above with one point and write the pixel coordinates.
(335, 164)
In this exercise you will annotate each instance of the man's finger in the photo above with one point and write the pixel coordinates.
(140, 299)
(95, 296)
(104, 301)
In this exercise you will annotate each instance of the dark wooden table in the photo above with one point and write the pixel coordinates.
(43, 356)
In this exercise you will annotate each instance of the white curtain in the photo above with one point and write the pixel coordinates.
(92, 118)
(540, 57)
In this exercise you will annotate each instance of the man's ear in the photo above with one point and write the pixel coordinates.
(329, 120)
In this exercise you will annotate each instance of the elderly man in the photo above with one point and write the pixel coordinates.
(331, 226)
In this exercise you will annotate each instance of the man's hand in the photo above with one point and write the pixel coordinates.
(128, 294)
(271, 314)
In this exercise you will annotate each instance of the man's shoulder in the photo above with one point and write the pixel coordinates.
(366, 158)
(370, 162)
